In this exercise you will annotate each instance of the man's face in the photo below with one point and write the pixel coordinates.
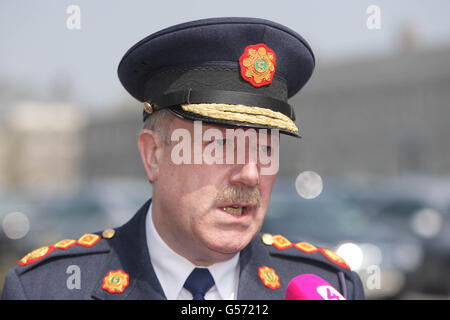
(210, 212)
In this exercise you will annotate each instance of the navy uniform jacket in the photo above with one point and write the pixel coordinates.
(49, 276)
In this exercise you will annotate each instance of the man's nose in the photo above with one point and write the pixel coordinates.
(247, 174)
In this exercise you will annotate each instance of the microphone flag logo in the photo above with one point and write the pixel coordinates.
(329, 293)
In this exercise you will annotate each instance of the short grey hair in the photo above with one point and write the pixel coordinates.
(160, 123)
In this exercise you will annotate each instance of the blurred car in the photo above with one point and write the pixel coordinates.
(409, 208)
(14, 225)
(383, 256)
(93, 207)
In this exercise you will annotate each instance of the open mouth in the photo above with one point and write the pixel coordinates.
(236, 210)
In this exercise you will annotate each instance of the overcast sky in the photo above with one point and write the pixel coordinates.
(37, 47)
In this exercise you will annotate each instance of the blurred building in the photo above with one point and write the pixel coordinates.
(379, 116)
(40, 146)
(374, 116)
(110, 144)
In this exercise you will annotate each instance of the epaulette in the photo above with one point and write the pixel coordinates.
(87, 244)
(281, 246)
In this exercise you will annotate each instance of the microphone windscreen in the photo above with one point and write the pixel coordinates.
(311, 287)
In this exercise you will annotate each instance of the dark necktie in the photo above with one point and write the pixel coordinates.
(199, 282)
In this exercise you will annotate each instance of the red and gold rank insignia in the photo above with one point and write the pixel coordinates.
(35, 255)
(281, 242)
(88, 240)
(64, 244)
(115, 281)
(269, 278)
(332, 256)
(305, 247)
(258, 64)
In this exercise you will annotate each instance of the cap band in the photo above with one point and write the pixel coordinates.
(221, 97)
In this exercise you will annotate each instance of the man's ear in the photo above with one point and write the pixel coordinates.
(150, 147)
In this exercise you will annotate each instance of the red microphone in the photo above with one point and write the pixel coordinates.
(311, 287)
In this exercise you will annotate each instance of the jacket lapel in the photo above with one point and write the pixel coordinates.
(129, 252)
(251, 286)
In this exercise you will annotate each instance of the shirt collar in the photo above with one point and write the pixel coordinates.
(172, 269)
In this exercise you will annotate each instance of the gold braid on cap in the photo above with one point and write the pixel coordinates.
(241, 113)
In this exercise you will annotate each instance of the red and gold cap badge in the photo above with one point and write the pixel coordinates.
(35, 255)
(258, 64)
(115, 281)
(269, 277)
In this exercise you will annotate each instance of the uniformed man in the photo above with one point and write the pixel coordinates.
(198, 236)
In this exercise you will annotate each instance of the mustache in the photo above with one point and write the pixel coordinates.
(236, 194)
